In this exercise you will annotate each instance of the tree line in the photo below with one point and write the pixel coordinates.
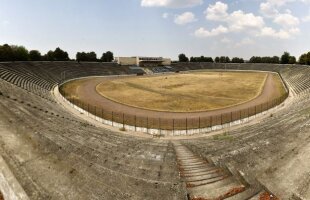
(305, 59)
(20, 53)
(222, 59)
(92, 57)
(286, 58)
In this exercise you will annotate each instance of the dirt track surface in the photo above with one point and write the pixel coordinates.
(87, 93)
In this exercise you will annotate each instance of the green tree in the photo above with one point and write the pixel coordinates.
(82, 56)
(34, 55)
(6, 53)
(183, 58)
(49, 56)
(107, 57)
(60, 55)
(13, 53)
(217, 59)
(285, 58)
(304, 59)
(266, 59)
(222, 59)
(209, 59)
(292, 60)
(227, 60)
(255, 59)
(275, 60)
(20, 53)
(92, 56)
(201, 59)
(237, 60)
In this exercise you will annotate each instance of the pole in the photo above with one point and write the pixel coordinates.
(147, 124)
(221, 119)
(135, 123)
(123, 120)
(186, 125)
(112, 118)
(159, 126)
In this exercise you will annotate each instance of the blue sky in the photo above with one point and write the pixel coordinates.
(159, 27)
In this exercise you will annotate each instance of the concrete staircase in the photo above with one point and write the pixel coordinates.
(206, 181)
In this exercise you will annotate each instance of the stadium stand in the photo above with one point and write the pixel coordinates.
(162, 69)
(136, 70)
(56, 155)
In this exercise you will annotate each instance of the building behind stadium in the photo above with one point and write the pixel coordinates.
(143, 61)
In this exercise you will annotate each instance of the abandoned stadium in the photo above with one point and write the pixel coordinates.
(57, 145)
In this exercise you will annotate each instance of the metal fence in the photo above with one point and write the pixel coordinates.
(151, 122)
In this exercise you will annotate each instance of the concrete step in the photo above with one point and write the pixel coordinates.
(189, 168)
(189, 164)
(188, 175)
(249, 193)
(257, 196)
(207, 181)
(216, 189)
(190, 159)
(203, 177)
(204, 169)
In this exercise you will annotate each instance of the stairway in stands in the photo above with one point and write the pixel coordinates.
(148, 71)
(206, 181)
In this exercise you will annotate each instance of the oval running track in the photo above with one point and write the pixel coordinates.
(87, 93)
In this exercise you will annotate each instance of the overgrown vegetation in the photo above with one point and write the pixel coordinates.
(20, 53)
(305, 59)
(92, 57)
(286, 58)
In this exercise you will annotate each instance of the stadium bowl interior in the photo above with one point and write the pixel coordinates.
(54, 153)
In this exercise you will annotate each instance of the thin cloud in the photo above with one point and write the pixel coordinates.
(185, 18)
(171, 3)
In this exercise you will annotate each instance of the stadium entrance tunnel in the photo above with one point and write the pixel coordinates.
(163, 123)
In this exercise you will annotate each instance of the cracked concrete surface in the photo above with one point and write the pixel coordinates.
(56, 155)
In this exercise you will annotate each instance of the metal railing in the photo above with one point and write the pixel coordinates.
(170, 124)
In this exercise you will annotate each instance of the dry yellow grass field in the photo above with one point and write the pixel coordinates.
(195, 91)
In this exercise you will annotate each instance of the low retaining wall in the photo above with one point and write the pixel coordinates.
(162, 132)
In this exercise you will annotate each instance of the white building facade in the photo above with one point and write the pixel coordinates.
(143, 61)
